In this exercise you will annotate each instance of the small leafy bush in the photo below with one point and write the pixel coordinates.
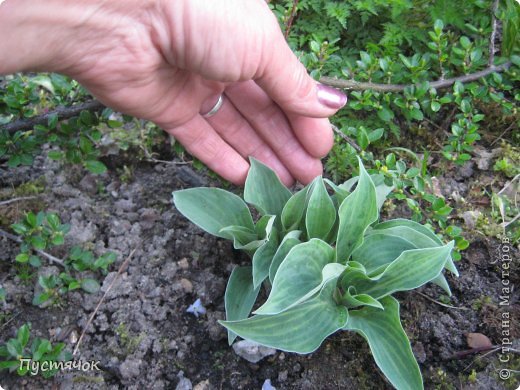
(42, 231)
(39, 350)
(39, 232)
(328, 262)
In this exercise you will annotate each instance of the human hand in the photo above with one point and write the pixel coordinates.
(168, 61)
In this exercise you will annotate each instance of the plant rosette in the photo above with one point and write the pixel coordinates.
(326, 260)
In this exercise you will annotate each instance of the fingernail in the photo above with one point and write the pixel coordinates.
(331, 97)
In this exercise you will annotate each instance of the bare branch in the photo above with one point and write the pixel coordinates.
(494, 23)
(438, 84)
(463, 354)
(91, 318)
(61, 112)
(6, 202)
(94, 105)
(440, 303)
(291, 19)
(349, 140)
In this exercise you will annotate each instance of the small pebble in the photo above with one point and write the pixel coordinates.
(183, 263)
(187, 286)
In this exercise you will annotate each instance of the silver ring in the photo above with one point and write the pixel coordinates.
(215, 108)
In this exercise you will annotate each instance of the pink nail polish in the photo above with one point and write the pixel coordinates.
(331, 97)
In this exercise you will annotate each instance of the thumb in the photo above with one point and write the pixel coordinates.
(286, 81)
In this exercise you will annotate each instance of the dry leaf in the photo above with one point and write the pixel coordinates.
(478, 340)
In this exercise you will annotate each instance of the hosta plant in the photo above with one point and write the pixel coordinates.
(326, 260)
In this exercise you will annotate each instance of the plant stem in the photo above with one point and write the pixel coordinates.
(438, 84)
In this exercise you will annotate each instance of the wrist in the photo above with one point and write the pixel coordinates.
(67, 36)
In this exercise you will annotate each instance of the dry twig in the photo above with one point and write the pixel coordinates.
(6, 202)
(440, 303)
(91, 318)
(349, 140)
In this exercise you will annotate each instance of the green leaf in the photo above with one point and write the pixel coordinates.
(58, 240)
(416, 113)
(73, 285)
(86, 118)
(294, 210)
(9, 364)
(264, 190)
(438, 26)
(339, 192)
(263, 257)
(416, 237)
(299, 273)
(417, 234)
(356, 213)
(385, 114)
(31, 219)
(264, 226)
(240, 296)
(379, 249)
(411, 224)
(38, 242)
(96, 167)
(22, 258)
(53, 220)
(321, 213)
(351, 299)
(41, 298)
(388, 342)
(290, 240)
(412, 172)
(213, 209)
(114, 124)
(56, 155)
(35, 261)
(90, 285)
(465, 42)
(442, 283)
(382, 190)
(41, 348)
(362, 138)
(242, 237)
(410, 270)
(19, 228)
(23, 335)
(301, 329)
(405, 60)
(374, 135)
(510, 27)
(52, 121)
(14, 347)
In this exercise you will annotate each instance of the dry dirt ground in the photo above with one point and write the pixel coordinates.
(142, 334)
